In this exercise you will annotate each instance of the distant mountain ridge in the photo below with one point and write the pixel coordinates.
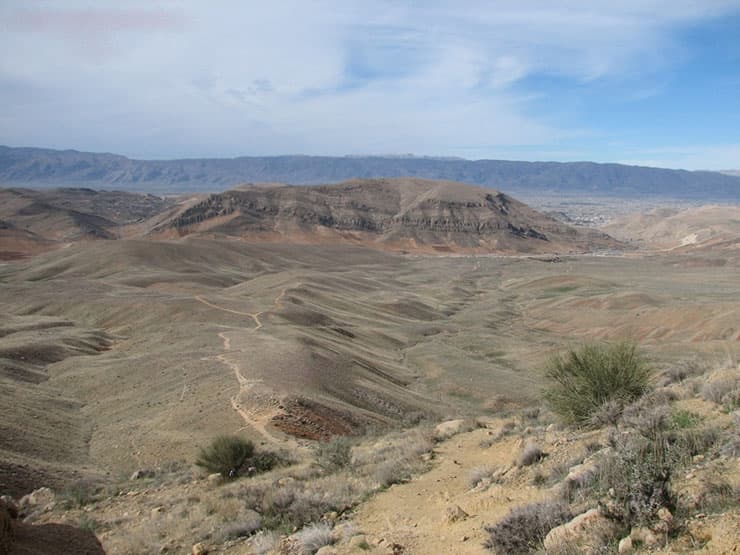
(34, 167)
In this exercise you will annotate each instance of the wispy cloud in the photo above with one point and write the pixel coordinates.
(172, 79)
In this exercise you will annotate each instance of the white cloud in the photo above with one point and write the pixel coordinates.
(170, 78)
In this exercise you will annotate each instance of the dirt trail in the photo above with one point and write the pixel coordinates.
(262, 406)
(414, 514)
(253, 315)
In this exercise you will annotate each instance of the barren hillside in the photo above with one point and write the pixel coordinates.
(411, 214)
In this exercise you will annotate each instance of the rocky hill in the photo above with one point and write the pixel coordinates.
(396, 213)
(43, 167)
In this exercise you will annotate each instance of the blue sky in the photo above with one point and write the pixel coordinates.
(652, 82)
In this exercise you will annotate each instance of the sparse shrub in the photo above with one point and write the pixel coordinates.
(681, 372)
(334, 454)
(247, 525)
(524, 528)
(313, 537)
(683, 419)
(724, 390)
(531, 413)
(478, 475)
(584, 379)
(530, 455)
(89, 524)
(635, 477)
(225, 455)
(79, 493)
(264, 461)
(265, 542)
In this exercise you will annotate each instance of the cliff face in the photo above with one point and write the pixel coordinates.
(403, 212)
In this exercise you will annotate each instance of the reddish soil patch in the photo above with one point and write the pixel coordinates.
(307, 419)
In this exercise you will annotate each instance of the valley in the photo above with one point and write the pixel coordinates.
(132, 353)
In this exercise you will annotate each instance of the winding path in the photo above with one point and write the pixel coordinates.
(257, 417)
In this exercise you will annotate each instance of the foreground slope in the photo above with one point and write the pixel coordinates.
(413, 214)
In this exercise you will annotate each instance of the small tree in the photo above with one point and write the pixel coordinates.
(225, 455)
(584, 379)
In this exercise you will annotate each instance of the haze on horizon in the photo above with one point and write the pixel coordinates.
(651, 82)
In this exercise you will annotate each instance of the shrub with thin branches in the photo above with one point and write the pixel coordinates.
(524, 528)
(313, 537)
(584, 379)
(225, 455)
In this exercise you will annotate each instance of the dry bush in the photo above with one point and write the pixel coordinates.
(246, 525)
(265, 542)
(723, 390)
(333, 454)
(681, 372)
(531, 453)
(525, 527)
(313, 537)
(584, 379)
(478, 475)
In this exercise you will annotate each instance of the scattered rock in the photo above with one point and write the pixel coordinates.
(644, 536)
(343, 531)
(448, 429)
(454, 514)
(588, 533)
(40, 498)
(625, 545)
(214, 478)
(199, 549)
(156, 511)
(141, 474)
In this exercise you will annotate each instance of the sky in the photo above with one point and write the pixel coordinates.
(648, 82)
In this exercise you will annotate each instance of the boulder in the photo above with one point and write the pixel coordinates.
(6, 529)
(10, 505)
(454, 514)
(199, 549)
(644, 536)
(588, 533)
(625, 545)
(141, 474)
(42, 498)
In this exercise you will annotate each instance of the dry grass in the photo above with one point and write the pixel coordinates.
(524, 528)
(313, 537)
(530, 454)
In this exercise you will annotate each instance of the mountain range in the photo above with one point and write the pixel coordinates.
(34, 167)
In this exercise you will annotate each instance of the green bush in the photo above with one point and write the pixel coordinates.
(225, 455)
(585, 379)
